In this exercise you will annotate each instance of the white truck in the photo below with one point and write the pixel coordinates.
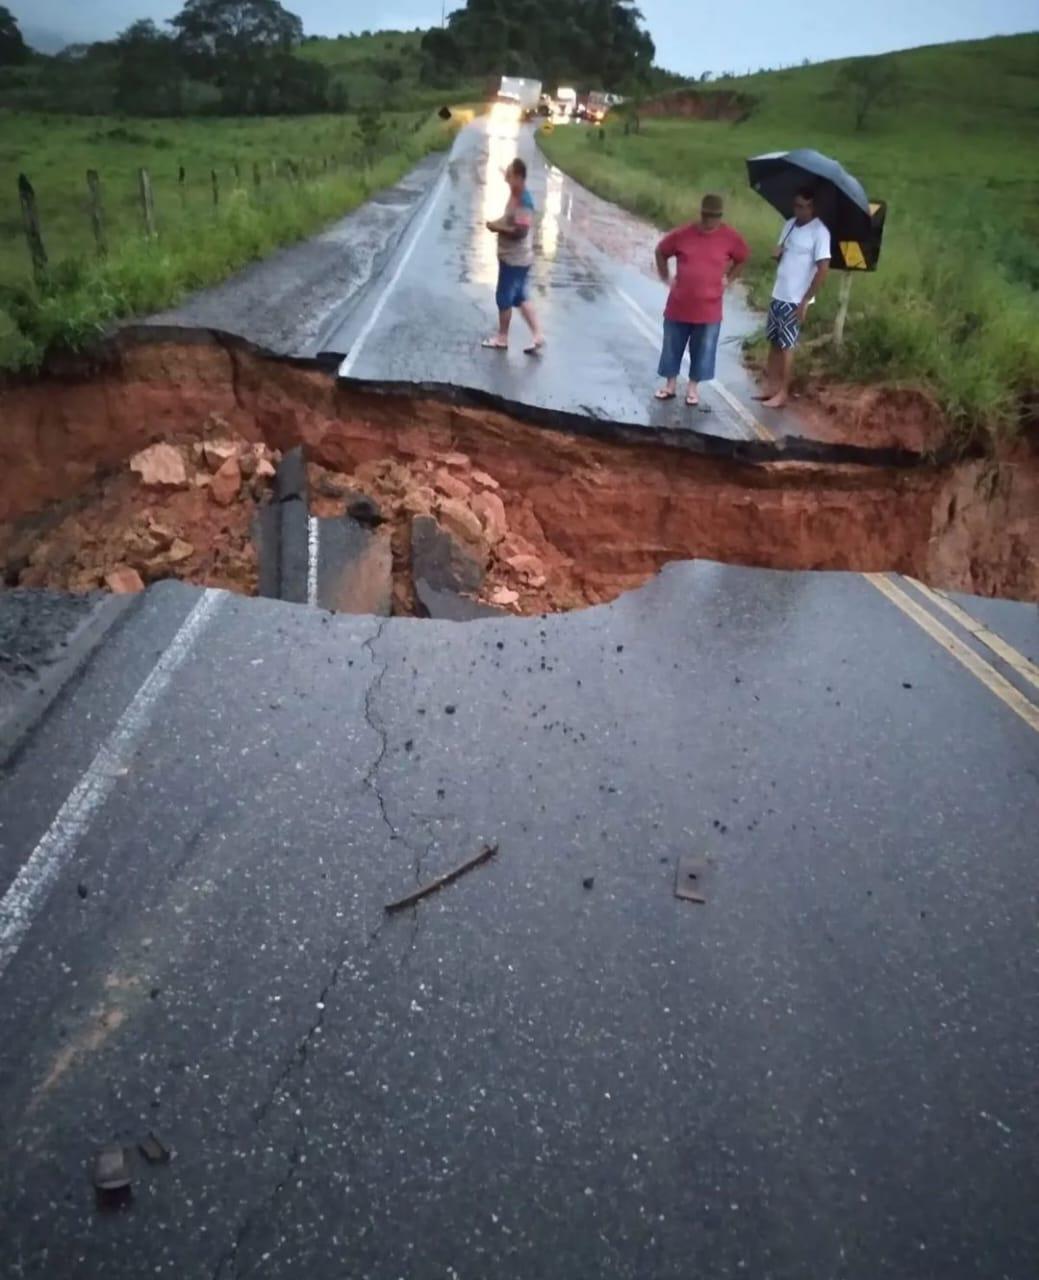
(520, 91)
(566, 101)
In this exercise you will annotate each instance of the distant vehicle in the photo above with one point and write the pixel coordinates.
(566, 101)
(520, 91)
(597, 106)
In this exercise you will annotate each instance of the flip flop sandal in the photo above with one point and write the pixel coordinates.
(664, 395)
(534, 350)
(692, 404)
(492, 345)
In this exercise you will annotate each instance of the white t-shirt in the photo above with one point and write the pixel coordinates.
(803, 247)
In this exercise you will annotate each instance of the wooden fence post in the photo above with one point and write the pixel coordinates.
(844, 297)
(97, 213)
(216, 186)
(256, 173)
(237, 175)
(147, 202)
(31, 222)
(181, 176)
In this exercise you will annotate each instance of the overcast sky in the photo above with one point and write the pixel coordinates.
(691, 36)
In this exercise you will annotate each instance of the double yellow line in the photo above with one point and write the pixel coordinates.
(889, 587)
(963, 653)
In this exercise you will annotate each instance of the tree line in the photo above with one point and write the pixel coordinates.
(246, 57)
(232, 57)
(598, 43)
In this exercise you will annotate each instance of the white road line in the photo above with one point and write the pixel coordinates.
(313, 552)
(642, 321)
(29, 890)
(346, 367)
(645, 326)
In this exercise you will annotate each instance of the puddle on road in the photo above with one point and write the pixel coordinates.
(556, 520)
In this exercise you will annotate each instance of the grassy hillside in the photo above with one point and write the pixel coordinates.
(198, 242)
(383, 67)
(954, 306)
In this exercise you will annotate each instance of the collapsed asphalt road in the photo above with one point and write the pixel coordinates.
(826, 1068)
(554, 1067)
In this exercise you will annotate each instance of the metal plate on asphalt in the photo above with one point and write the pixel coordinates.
(690, 875)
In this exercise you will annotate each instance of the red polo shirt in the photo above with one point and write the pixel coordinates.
(703, 258)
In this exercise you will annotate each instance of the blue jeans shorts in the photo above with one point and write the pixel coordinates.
(702, 341)
(512, 286)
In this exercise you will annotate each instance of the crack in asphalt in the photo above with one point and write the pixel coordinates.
(371, 777)
(281, 1087)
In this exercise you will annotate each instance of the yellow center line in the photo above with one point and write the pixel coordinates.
(1011, 656)
(963, 654)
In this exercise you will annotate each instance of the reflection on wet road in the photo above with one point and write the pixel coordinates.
(599, 304)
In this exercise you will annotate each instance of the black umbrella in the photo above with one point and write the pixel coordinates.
(840, 200)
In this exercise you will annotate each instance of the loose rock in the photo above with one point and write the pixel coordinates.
(161, 465)
(451, 486)
(456, 517)
(226, 483)
(123, 580)
(491, 510)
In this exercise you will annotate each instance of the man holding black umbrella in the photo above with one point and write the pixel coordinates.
(803, 254)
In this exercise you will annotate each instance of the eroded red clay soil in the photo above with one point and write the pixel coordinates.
(598, 517)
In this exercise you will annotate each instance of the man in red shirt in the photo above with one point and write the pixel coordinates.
(710, 255)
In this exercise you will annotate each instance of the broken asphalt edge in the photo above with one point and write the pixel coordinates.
(339, 315)
(686, 439)
(62, 675)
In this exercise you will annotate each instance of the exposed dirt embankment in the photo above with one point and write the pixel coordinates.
(601, 514)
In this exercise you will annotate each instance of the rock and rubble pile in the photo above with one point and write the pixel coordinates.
(177, 510)
(488, 542)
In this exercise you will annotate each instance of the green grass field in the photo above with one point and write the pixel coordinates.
(198, 242)
(954, 307)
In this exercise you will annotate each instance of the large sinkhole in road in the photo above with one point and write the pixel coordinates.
(409, 499)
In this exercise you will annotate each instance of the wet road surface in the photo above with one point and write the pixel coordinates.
(600, 308)
(828, 1069)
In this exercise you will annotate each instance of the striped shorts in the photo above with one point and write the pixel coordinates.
(782, 328)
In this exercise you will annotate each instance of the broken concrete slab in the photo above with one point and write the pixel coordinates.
(355, 568)
(449, 606)
(441, 560)
(290, 480)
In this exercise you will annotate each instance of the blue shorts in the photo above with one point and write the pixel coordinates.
(512, 286)
(702, 341)
(782, 328)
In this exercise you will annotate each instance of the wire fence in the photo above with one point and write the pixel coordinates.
(94, 217)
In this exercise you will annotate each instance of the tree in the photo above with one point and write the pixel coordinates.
(392, 73)
(871, 82)
(149, 79)
(602, 43)
(13, 49)
(239, 45)
(231, 28)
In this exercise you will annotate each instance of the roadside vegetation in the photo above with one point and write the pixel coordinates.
(947, 138)
(277, 181)
(248, 137)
